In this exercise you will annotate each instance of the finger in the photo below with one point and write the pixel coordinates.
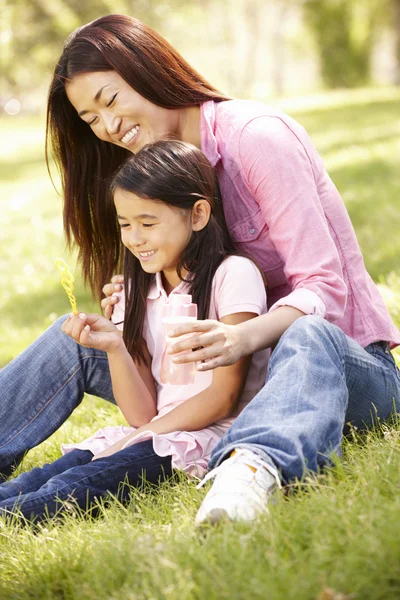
(108, 311)
(193, 327)
(208, 365)
(110, 300)
(110, 288)
(194, 342)
(203, 354)
(84, 338)
(117, 279)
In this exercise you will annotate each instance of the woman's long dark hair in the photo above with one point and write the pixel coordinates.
(178, 174)
(151, 66)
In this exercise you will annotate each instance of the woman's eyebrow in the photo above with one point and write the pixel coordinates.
(96, 99)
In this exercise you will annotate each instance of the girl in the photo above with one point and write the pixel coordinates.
(119, 85)
(171, 220)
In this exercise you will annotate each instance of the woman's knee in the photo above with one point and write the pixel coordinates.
(312, 329)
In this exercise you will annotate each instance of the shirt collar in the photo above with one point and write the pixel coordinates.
(157, 289)
(209, 144)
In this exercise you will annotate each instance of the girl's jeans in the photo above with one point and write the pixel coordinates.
(318, 380)
(74, 480)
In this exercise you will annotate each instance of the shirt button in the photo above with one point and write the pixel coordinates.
(252, 231)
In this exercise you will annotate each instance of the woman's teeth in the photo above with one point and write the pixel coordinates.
(128, 137)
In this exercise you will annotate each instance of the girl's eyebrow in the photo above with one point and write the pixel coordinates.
(142, 216)
(96, 99)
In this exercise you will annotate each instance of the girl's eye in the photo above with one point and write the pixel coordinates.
(90, 123)
(112, 100)
(123, 225)
(148, 224)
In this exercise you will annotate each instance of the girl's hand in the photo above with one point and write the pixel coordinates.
(215, 344)
(93, 331)
(121, 443)
(108, 302)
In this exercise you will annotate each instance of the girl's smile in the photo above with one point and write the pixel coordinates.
(155, 233)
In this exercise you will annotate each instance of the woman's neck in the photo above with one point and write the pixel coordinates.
(189, 125)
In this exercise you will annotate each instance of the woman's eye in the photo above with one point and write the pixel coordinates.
(112, 100)
(92, 122)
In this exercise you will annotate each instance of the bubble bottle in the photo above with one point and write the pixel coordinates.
(177, 310)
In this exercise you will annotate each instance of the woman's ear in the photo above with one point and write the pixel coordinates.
(201, 213)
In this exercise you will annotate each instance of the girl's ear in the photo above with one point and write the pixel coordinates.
(201, 213)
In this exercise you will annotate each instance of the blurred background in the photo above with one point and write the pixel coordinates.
(332, 64)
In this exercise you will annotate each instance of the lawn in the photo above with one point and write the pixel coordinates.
(336, 535)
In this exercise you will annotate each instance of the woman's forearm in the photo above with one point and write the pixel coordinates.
(264, 331)
(136, 402)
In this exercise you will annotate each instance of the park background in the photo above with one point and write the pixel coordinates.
(334, 65)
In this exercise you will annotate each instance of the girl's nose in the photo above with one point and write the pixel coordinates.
(135, 240)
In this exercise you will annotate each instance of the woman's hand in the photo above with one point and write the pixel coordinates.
(215, 344)
(93, 331)
(108, 302)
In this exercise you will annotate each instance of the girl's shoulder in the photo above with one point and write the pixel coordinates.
(238, 286)
(239, 268)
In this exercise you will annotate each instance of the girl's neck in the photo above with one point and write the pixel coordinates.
(189, 125)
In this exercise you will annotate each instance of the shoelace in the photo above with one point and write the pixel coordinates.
(260, 464)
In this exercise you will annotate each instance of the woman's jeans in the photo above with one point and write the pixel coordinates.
(74, 480)
(318, 380)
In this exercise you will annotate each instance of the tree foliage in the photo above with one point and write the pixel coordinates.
(344, 32)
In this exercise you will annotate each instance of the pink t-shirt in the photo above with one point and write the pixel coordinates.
(283, 210)
(237, 287)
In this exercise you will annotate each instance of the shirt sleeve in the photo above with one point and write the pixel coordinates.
(238, 287)
(279, 174)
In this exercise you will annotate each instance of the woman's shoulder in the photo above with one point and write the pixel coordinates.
(237, 113)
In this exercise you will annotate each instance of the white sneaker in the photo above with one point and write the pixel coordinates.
(243, 484)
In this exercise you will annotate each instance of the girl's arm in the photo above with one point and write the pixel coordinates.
(216, 402)
(133, 384)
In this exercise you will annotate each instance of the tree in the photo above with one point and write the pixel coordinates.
(344, 33)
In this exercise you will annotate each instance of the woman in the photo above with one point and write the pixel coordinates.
(118, 85)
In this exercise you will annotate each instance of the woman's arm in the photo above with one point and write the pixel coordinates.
(222, 344)
(133, 384)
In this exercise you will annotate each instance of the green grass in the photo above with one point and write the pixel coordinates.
(341, 531)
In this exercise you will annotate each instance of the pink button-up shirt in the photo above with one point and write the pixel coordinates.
(283, 209)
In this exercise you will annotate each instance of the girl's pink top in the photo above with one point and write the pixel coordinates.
(237, 287)
(284, 211)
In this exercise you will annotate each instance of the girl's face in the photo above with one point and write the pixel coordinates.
(116, 113)
(155, 233)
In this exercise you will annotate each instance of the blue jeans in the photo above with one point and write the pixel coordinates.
(319, 381)
(77, 479)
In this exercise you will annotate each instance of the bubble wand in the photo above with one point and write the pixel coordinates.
(67, 281)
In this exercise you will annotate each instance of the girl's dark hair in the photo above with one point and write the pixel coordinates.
(178, 174)
(151, 66)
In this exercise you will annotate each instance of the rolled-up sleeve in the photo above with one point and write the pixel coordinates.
(278, 171)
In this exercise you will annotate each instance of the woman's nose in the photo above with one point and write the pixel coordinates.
(112, 123)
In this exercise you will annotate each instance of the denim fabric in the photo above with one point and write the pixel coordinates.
(318, 381)
(42, 386)
(77, 479)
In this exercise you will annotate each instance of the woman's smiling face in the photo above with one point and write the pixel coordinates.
(116, 113)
